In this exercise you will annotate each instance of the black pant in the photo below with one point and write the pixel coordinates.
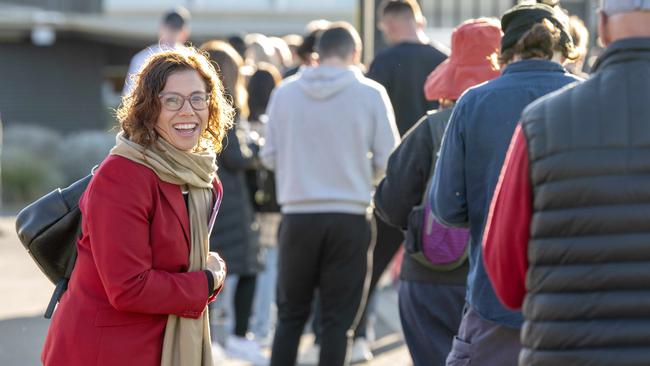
(325, 251)
(389, 239)
(244, 295)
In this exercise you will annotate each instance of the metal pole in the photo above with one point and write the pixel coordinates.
(439, 15)
(1, 143)
(476, 9)
(368, 29)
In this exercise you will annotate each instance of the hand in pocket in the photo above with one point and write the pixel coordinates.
(460, 354)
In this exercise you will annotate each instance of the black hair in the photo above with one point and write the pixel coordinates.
(308, 45)
(398, 7)
(260, 86)
(176, 18)
(237, 42)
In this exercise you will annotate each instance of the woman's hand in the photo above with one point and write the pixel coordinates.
(218, 268)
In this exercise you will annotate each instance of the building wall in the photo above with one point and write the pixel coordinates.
(225, 17)
(448, 14)
(76, 6)
(57, 86)
(119, 6)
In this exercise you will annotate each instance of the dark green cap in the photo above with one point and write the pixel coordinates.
(521, 18)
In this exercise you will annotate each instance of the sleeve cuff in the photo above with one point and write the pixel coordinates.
(210, 277)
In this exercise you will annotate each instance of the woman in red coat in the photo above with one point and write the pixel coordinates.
(144, 274)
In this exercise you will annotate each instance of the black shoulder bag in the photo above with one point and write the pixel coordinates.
(49, 228)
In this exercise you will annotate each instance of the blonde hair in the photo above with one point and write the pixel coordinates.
(229, 64)
(579, 34)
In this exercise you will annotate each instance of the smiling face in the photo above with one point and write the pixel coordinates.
(182, 128)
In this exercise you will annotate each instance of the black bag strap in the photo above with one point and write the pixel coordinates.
(62, 285)
(419, 256)
(432, 132)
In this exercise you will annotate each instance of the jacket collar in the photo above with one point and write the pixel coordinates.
(627, 49)
(533, 65)
(175, 198)
(172, 193)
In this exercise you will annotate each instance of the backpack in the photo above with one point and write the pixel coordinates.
(261, 188)
(431, 244)
(49, 228)
(260, 181)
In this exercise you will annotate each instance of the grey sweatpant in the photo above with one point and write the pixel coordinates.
(482, 342)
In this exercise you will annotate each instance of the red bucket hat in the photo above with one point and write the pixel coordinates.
(473, 45)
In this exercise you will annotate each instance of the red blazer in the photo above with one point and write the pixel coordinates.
(131, 271)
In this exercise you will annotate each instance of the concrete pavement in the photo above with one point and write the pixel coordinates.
(25, 293)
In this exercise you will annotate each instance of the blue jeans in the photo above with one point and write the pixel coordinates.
(222, 311)
(265, 295)
(430, 316)
(232, 308)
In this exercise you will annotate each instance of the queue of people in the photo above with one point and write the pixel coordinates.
(263, 182)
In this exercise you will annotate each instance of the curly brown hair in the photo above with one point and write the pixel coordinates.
(141, 107)
(541, 41)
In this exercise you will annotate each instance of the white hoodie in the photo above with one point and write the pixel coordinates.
(329, 135)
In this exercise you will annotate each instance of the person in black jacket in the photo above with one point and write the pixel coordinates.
(402, 69)
(261, 186)
(233, 234)
(431, 302)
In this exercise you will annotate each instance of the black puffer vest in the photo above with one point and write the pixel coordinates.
(588, 300)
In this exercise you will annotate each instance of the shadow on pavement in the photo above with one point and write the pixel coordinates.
(21, 340)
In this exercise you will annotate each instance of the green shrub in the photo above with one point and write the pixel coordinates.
(81, 151)
(26, 176)
(28, 163)
(40, 141)
(37, 160)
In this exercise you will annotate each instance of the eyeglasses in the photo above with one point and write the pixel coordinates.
(174, 102)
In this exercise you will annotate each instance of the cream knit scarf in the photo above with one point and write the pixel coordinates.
(187, 341)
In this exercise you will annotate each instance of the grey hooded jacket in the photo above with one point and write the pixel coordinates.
(328, 138)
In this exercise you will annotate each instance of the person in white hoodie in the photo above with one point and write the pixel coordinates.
(329, 134)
